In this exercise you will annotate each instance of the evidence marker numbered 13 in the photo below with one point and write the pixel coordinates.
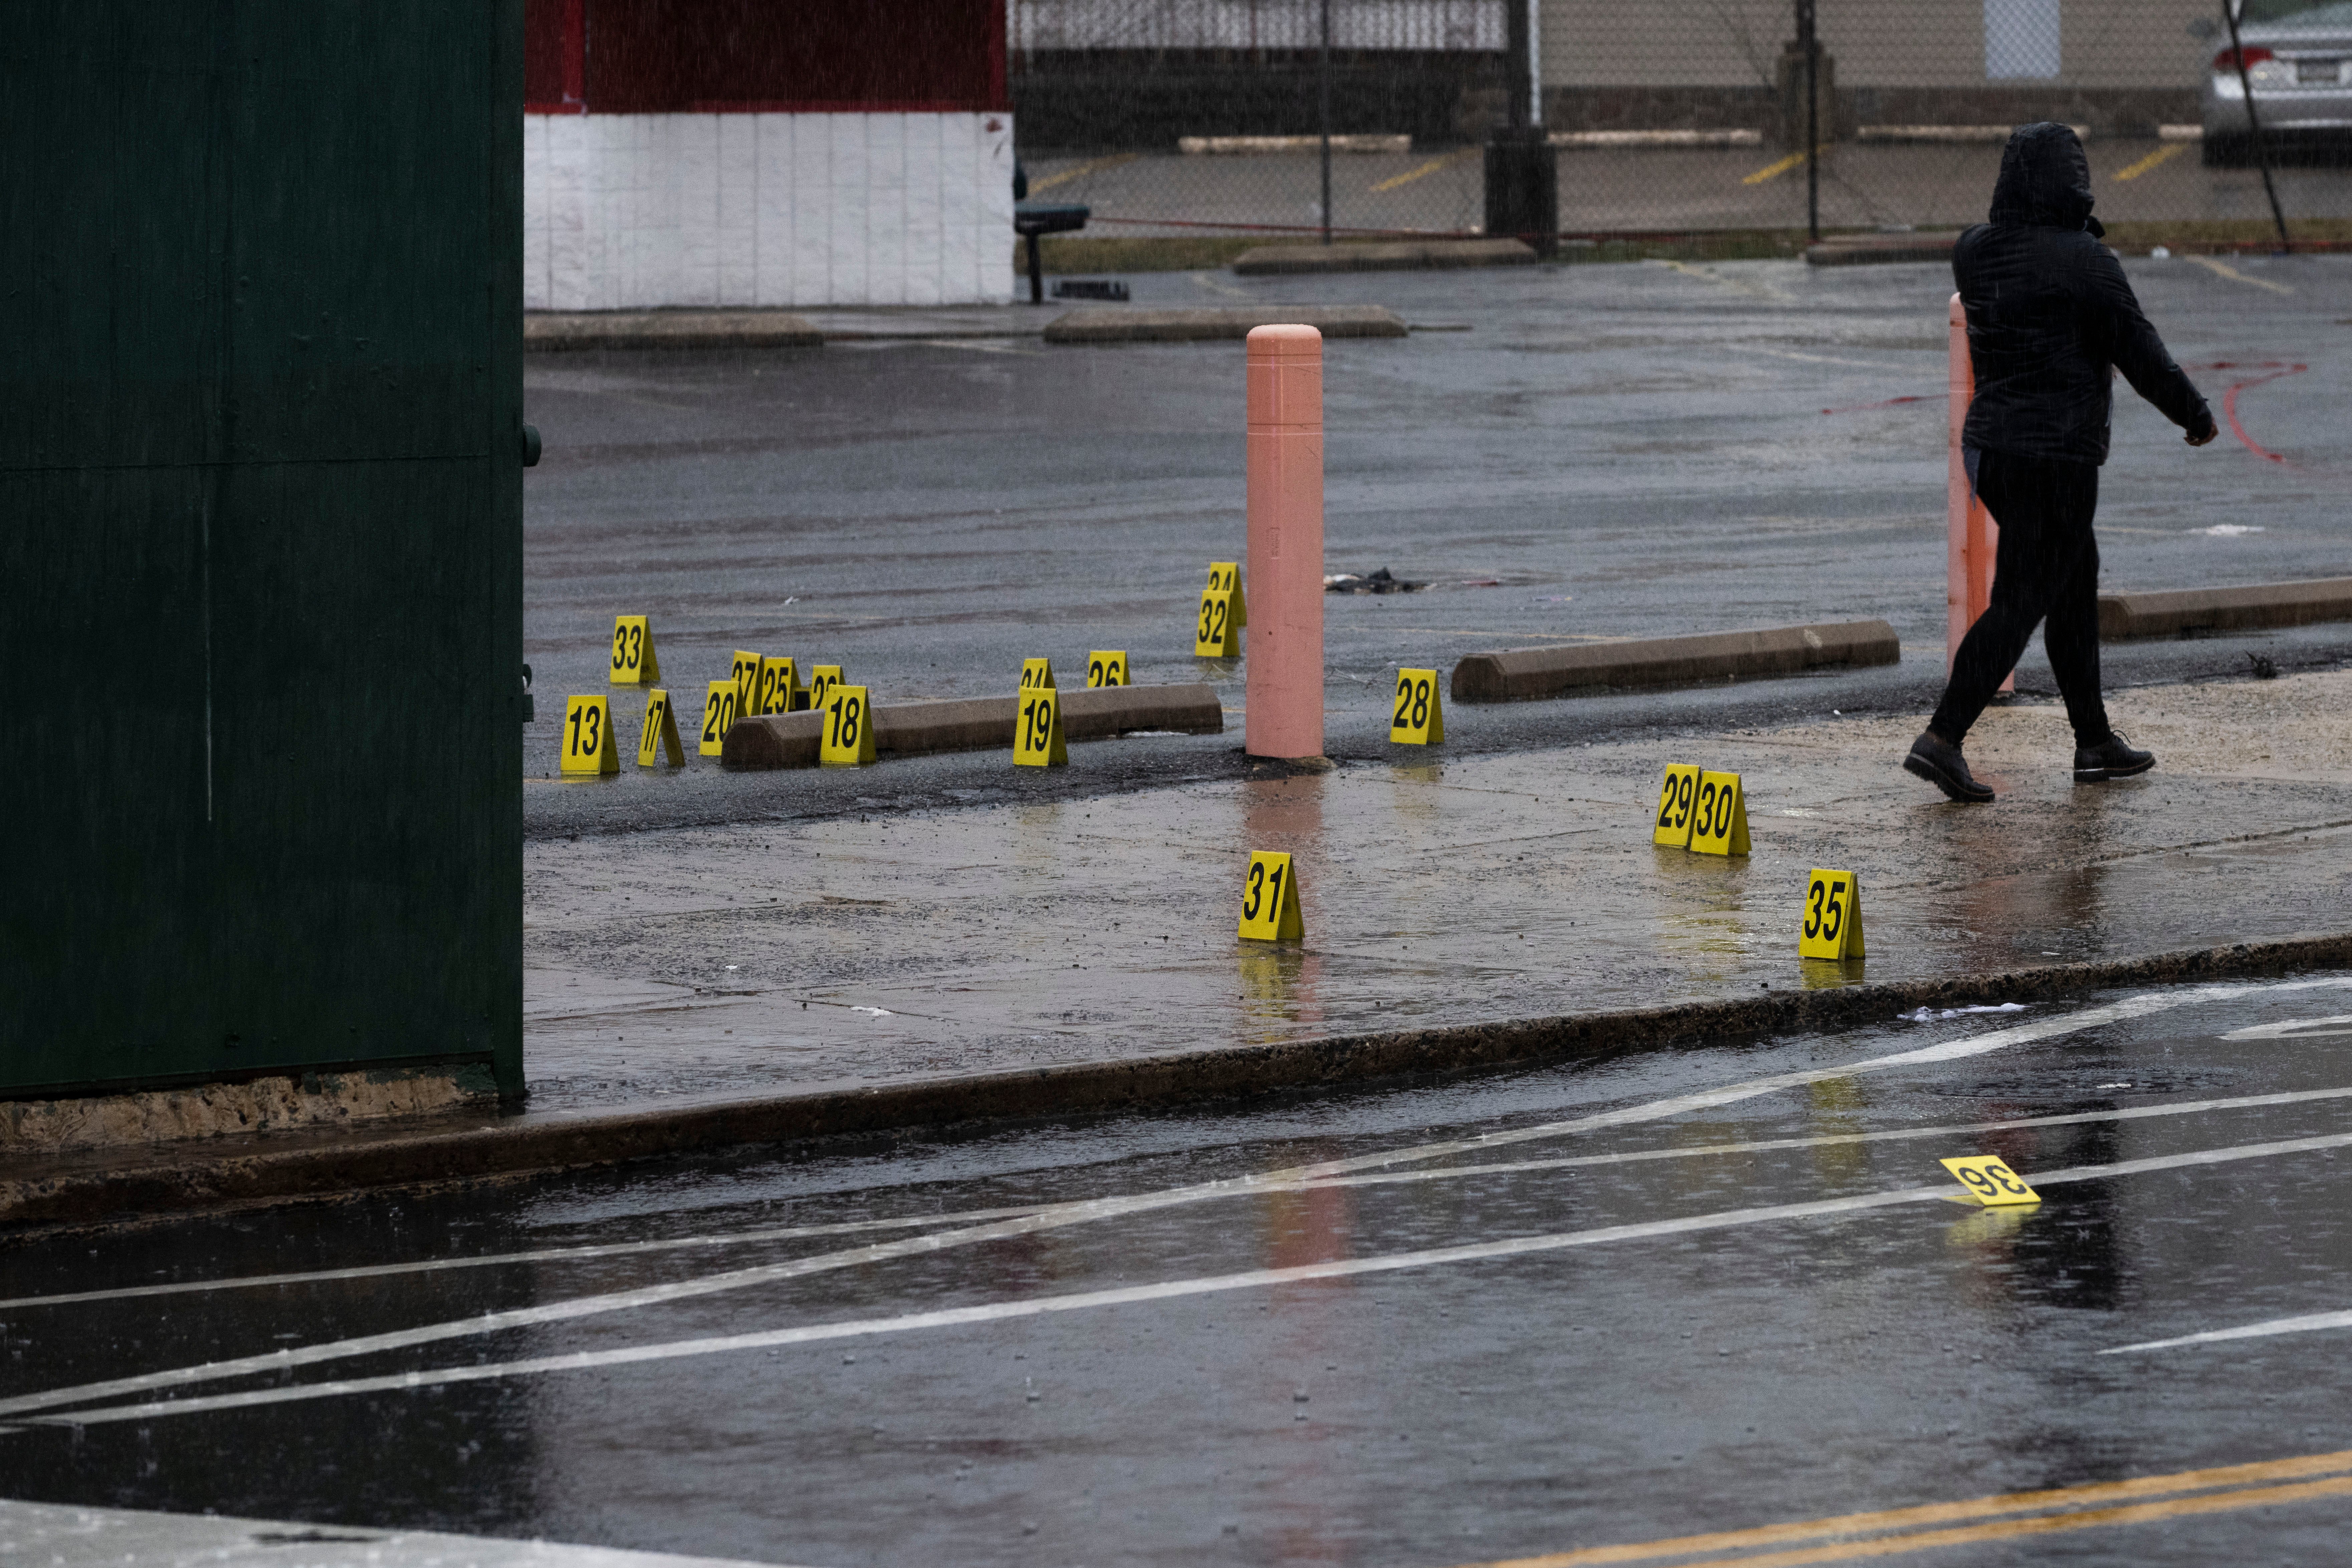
(634, 662)
(1037, 741)
(1225, 576)
(588, 745)
(846, 738)
(1720, 819)
(718, 718)
(660, 738)
(1270, 899)
(1419, 716)
(1991, 1182)
(1107, 666)
(1833, 927)
(1675, 798)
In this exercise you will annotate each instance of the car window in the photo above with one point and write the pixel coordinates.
(2297, 13)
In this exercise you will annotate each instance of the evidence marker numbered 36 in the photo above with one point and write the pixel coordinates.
(1991, 1182)
(1419, 716)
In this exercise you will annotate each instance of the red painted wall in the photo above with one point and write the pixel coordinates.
(646, 56)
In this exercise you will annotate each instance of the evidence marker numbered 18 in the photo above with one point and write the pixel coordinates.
(718, 718)
(588, 745)
(1991, 1182)
(1419, 716)
(1225, 576)
(1720, 819)
(634, 662)
(1833, 927)
(659, 737)
(1270, 910)
(847, 737)
(1107, 666)
(1676, 797)
(1037, 741)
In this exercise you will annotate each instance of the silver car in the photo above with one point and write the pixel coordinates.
(2299, 62)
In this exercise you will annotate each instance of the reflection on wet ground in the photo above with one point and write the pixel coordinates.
(1724, 1292)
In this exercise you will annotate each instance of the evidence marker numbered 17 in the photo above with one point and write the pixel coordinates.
(588, 745)
(1991, 1182)
(660, 738)
(634, 662)
(1833, 927)
(1419, 716)
(1676, 797)
(1270, 910)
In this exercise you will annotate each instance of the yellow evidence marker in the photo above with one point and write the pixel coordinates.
(1832, 916)
(634, 662)
(1037, 729)
(1719, 821)
(659, 737)
(1107, 666)
(1270, 899)
(1036, 673)
(745, 672)
(1226, 576)
(1676, 797)
(588, 745)
(779, 686)
(717, 717)
(847, 737)
(822, 678)
(1419, 716)
(1991, 1182)
(1216, 634)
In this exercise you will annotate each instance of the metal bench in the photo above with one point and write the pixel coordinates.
(1031, 219)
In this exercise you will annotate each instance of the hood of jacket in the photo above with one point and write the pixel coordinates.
(2045, 180)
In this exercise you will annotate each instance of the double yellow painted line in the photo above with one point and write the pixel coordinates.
(2004, 1517)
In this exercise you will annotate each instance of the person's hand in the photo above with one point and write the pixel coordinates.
(2203, 438)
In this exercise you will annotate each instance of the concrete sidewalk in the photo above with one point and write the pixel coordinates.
(710, 986)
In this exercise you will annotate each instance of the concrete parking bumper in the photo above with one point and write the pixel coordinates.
(1403, 256)
(2188, 611)
(550, 331)
(1520, 675)
(1123, 324)
(977, 724)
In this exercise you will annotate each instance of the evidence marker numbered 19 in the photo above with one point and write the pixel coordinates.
(660, 738)
(588, 745)
(1419, 716)
(1270, 910)
(1107, 666)
(718, 718)
(846, 739)
(1720, 819)
(1037, 741)
(1991, 1182)
(1675, 798)
(1833, 927)
(634, 662)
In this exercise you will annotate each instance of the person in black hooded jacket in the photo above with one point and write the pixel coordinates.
(2050, 319)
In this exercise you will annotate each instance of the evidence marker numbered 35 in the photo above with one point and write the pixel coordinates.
(1833, 927)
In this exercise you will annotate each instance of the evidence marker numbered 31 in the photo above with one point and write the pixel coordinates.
(1270, 911)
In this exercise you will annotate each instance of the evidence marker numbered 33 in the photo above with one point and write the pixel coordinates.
(634, 660)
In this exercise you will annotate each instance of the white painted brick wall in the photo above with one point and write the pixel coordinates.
(633, 211)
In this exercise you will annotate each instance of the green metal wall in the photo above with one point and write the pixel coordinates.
(261, 538)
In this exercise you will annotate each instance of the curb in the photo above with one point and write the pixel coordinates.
(1862, 249)
(569, 331)
(975, 724)
(1520, 675)
(2188, 611)
(514, 1149)
(1269, 260)
(1121, 325)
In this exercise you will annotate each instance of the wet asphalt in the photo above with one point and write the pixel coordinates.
(1606, 451)
(1424, 1324)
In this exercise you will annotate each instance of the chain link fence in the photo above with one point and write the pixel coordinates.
(1748, 123)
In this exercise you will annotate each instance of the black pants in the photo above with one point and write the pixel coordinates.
(2047, 566)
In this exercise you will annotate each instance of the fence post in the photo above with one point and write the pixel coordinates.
(1325, 89)
(1285, 647)
(1972, 537)
(1807, 35)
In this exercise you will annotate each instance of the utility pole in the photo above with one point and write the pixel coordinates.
(1809, 41)
(1522, 171)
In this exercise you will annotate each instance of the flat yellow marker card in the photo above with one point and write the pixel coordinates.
(780, 686)
(1225, 577)
(848, 735)
(822, 678)
(1107, 666)
(1832, 926)
(1991, 1182)
(588, 745)
(1676, 796)
(717, 717)
(1270, 901)
(1036, 672)
(745, 673)
(1720, 819)
(1419, 716)
(1213, 636)
(659, 737)
(633, 663)
(1037, 729)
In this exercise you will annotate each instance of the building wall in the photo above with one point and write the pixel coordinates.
(638, 210)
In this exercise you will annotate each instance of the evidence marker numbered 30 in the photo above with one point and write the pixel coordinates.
(1703, 812)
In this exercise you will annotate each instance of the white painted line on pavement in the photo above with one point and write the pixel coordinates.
(1254, 1279)
(1058, 1216)
(2303, 1325)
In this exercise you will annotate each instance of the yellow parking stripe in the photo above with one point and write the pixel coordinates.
(1706, 1549)
(2162, 154)
(1089, 167)
(1430, 167)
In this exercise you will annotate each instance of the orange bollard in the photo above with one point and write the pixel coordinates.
(1285, 634)
(1972, 538)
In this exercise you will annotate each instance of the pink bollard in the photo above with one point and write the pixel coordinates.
(1972, 538)
(1285, 634)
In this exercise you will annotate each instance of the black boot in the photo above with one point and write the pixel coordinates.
(2112, 758)
(1942, 765)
